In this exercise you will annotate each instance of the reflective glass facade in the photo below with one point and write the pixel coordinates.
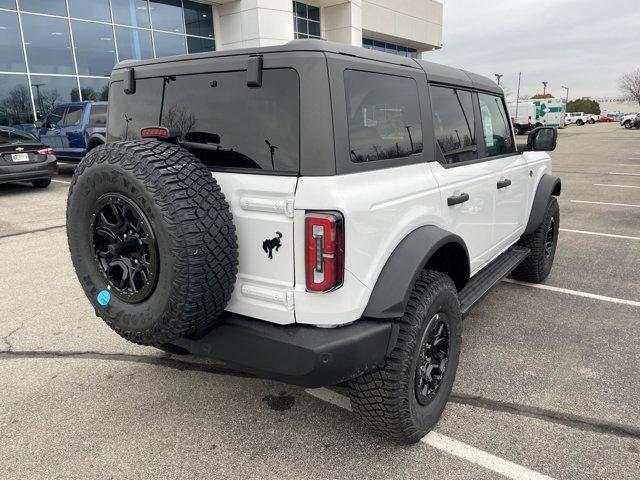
(389, 48)
(56, 51)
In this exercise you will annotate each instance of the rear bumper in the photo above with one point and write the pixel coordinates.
(298, 354)
(28, 171)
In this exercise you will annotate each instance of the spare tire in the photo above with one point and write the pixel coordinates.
(152, 240)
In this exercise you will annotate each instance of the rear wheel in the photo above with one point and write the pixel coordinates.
(579, 122)
(404, 398)
(152, 240)
(542, 243)
(517, 130)
(41, 183)
(628, 124)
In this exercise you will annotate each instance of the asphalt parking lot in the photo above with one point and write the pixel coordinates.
(548, 384)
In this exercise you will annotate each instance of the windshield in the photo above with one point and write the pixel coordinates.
(15, 136)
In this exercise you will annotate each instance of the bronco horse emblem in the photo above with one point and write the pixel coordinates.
(269, 245)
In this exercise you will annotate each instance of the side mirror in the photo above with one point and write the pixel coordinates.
(541, 139)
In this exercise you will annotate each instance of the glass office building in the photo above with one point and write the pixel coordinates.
(56, 51)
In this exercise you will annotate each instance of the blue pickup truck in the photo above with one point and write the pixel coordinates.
(72, 129)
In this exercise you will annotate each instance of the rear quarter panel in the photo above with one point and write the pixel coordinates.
(380, 208)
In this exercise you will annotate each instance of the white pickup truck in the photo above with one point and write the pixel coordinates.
(629, 121)
(577, 118)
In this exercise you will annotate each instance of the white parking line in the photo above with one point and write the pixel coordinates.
(449, 445)
(619, 186)
(61, 181)
(330, 396)
(628, 164)
(482, 458)
(576, 293)
(630, 174)
(626, 237)
(606, 203)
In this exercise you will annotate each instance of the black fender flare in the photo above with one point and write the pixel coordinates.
(391, 292)
(549, 185)
(96, 136)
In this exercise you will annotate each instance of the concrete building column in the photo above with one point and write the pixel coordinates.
(343, 23)
(253, 23)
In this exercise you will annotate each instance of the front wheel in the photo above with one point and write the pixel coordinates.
(542, 243)
(592, 121)
(628, 124)
(579, 123)
(403, 399)
(517, 130)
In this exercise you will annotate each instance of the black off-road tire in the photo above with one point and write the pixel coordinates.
(579, 123)
(41, 183)
(385, 398)
(195, 238)
(537, 266)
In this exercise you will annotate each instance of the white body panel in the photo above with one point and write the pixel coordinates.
(262, 205)
(472, 220)
(509, 213)
(380, 208)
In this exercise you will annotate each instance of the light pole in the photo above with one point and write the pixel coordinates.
(498, 76)
(544, 89)
(567, 89)
(40, 104)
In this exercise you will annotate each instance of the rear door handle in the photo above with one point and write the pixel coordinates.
(504, 183)
(457, 199)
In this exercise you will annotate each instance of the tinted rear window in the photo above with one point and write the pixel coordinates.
(128, 114)
(384, 116)
(228, 124)
(218, 118)
(98, 115)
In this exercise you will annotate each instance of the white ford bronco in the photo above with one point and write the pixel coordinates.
(314, 213)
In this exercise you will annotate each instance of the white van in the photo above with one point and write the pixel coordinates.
(522, 115)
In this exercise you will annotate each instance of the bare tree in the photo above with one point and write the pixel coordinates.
(178, 118)
(16, 106)
(630, 85)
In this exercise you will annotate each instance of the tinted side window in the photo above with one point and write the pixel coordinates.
(496, 127)
(55, 117)
(453, 123)
(227, 124)
(384, 116)
(73, 116)
(98, 115)
(128, 114)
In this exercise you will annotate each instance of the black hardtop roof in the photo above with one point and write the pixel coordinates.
(435, 72)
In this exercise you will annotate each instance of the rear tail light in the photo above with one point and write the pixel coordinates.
(324, 238)
(155, 132)
(45, 151)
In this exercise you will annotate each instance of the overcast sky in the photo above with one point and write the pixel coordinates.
(583, 44)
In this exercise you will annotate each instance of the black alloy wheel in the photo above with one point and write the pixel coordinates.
(124, 248)
(550, 238)
(432, 360)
